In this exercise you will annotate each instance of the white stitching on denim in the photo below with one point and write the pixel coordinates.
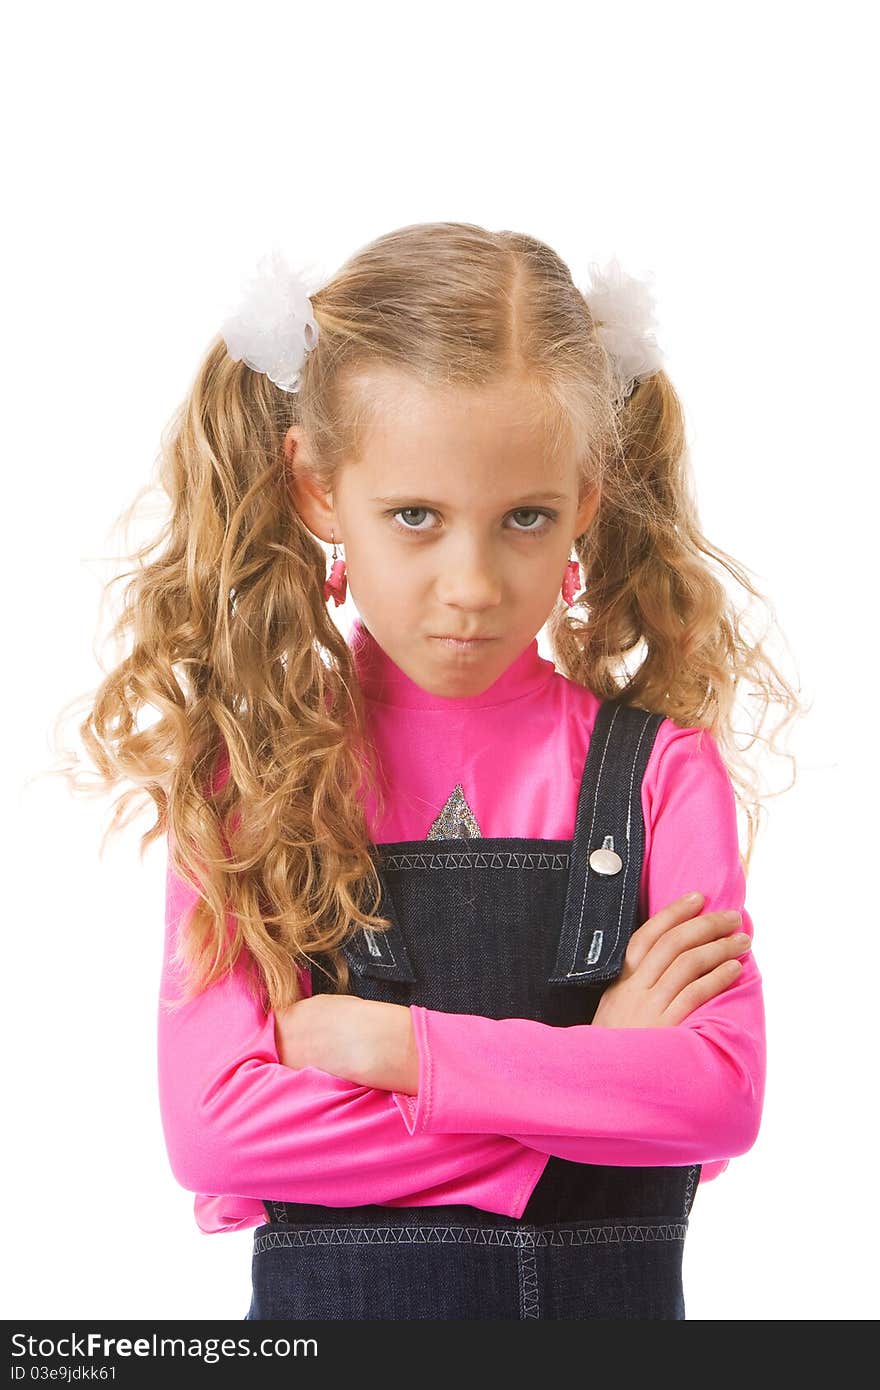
(632, 773)
(479, 859)
(691, 1177)
(527, 1268)
(380, 947)
(470, 1235)
(571, 974)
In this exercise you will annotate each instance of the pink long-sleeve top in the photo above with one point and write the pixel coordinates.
(496, 1097)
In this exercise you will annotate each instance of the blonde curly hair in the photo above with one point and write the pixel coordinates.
(258, 759)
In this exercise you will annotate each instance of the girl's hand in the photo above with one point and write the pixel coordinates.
(674, 962)
(362, 1040)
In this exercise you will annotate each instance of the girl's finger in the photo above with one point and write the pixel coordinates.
(701, 991)
(681, 938)
(646, 936)
(695, 964)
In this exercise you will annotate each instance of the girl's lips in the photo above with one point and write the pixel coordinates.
(464, 644)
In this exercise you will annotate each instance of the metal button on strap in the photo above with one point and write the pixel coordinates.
(606, 860)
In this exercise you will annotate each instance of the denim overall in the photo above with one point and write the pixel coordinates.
(506, 928)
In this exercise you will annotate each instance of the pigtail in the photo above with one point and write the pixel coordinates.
(657, 627)
(257, 762)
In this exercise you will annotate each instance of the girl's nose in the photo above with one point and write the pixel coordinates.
(471, 586)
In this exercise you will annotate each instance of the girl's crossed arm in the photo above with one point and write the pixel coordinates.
(675, 1095)
(239, 1123)
(618, 1095)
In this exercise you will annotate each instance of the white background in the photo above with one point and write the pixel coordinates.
(151, 155)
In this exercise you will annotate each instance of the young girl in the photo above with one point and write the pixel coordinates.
(439, 1012)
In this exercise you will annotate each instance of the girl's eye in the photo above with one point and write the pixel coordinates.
(408, 511)
(532, 511)
(520, 511)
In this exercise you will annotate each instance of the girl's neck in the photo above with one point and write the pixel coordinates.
(384, 682)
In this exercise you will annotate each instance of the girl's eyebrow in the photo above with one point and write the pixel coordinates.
(413, 501)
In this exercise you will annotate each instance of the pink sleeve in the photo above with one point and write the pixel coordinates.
(238, 1122)
(622, 1096)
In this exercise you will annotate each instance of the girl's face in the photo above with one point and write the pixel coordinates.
(455, 524)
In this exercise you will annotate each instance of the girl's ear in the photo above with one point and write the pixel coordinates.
(587, 510)
(313, 505)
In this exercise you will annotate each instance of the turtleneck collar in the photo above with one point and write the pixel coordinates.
(383, 681)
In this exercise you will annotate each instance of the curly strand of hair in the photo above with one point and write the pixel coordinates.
(662, 631)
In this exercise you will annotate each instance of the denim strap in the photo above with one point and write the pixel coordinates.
(601, 908)
(381, 953)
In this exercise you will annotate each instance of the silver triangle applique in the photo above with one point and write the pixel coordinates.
(456, 821)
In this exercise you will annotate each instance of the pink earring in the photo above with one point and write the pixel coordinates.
(337, 583)
(571, 582)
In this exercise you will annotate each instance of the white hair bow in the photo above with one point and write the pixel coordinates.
(623, 310)
(273, 328)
